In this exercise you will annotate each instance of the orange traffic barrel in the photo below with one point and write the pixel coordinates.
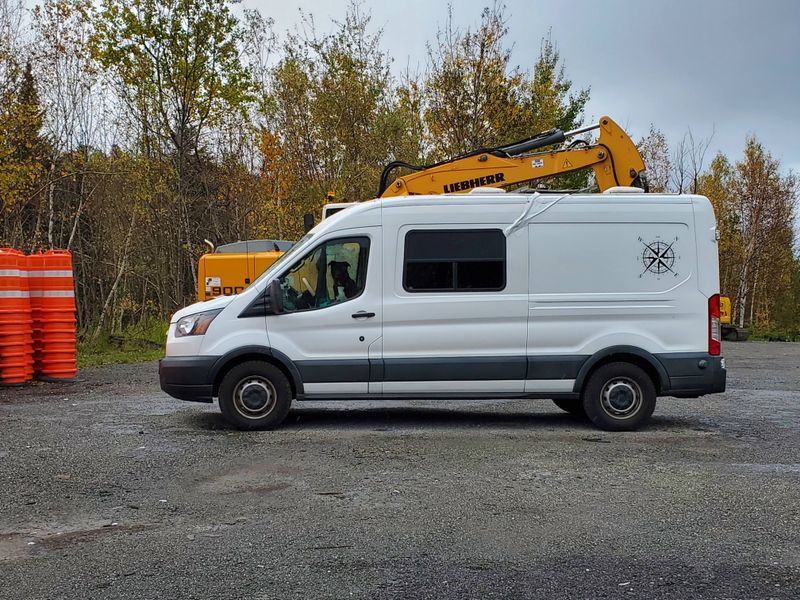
(16, 343)
(52, 292)
(36, 267)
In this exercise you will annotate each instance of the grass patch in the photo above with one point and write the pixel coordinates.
(775, 334)
(137, 343)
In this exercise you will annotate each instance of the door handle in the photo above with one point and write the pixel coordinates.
(363, 315)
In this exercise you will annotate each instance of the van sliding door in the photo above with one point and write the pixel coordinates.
(455, 308)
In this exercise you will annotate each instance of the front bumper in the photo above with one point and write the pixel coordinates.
(694, 374)
(187, 377)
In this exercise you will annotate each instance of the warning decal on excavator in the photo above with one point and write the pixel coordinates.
(567, 164)
(537, 163)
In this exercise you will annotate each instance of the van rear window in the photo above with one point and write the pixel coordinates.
(454, 260)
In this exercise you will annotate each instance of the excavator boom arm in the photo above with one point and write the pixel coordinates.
(614, 159)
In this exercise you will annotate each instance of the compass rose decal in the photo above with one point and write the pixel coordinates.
(658, 257)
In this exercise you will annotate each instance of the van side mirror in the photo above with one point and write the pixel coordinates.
(275, 295)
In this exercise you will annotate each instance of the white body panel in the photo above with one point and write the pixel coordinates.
(599, 293)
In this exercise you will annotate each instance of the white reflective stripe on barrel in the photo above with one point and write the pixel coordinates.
(11, 273)
(49, 273)
(14, 294)
(53, 294)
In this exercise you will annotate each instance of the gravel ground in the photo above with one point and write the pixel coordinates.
(111, 489)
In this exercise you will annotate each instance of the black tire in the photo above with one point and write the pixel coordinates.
(573, 407)
(619, 396)
(255, 395)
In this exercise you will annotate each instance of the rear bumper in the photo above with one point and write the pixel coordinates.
(693, 374)
(187, 377)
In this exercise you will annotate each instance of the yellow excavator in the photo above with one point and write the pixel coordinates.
(613, 158)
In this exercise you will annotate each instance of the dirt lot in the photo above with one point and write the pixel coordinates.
(110, 489)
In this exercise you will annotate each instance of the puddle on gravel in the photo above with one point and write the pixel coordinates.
(236, 483)
(35, 541)
(256, 478)
(12, 546)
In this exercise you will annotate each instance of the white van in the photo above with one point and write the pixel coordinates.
(600, 302)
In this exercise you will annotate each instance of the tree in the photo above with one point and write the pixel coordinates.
(474, 98)
(177, 68)
(23, 150)
(656, 155)
(717, 184)
(72, 96)
(336, 118)
(688, 163)
(176, 65)
(764, 205)
(472, 93)
(548, 100)
(755, 207)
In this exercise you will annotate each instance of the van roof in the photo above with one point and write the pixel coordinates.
(494, 199)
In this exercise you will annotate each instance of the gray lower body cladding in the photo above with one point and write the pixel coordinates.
(187, 377)
(680, 374)
(692, 375)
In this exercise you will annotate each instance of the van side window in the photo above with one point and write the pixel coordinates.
(454, 260)
(332, 273)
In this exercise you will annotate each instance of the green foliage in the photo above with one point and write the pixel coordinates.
(474, 98)
(774, 334)
(755, 208)
(177, 67)
(654, 150)
(23, 150)
(548, 100)
(785, 317)
(473, 95)
(337, 120)
(136, 343)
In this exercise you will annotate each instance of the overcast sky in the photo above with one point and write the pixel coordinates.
(727, 66)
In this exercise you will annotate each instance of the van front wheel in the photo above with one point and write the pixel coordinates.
(255, 395)
(619, 396)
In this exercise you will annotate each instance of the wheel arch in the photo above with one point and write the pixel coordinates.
(637, 356)
(264, 353)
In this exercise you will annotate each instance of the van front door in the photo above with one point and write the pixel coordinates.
(332, 313)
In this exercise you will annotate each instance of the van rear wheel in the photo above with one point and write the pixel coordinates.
(255, 395)
(573, 407)
(619, 396)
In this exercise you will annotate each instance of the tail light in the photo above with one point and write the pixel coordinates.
(714, 328)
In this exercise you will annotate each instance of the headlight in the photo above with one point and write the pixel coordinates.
(196, 324)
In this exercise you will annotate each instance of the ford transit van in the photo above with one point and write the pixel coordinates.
(599, 302)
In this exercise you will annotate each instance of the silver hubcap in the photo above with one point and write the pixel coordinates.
(254, 397)
(621, 397)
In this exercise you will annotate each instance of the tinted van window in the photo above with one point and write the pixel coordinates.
(454, 260)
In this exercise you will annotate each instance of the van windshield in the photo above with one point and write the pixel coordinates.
(284, 257)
